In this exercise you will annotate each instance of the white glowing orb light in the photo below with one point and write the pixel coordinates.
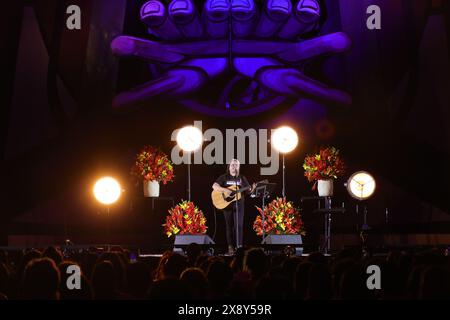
(361, 185)
(107, 190)
(284, 139)
(189, 138)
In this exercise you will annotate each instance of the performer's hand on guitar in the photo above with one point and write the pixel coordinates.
(227, 192)
(220, 195)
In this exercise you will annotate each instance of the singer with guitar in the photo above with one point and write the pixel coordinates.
(233, 208)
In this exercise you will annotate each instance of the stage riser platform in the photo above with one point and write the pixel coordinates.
(338, 240)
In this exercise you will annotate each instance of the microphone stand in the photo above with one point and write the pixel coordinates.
(263, 190)
(264, 207)
(257, 194)
(236, 214)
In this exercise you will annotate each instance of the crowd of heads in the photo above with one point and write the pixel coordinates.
(249, 274)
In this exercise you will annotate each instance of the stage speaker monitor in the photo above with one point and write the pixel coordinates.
(288, 243)
(182, 241)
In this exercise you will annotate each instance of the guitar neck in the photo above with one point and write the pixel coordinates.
(248, 187)
(242, 189)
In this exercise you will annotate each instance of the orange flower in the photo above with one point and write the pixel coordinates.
(152, 164)
(327, 164)
(185, 218)
(280, 217)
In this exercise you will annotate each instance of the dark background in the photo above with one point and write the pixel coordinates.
(58, 133)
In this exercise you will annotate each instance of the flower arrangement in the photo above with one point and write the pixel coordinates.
(152, 164)
(327, 164)
(280, 217)
(185, 218)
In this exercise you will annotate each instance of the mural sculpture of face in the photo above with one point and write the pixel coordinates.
(254, 56)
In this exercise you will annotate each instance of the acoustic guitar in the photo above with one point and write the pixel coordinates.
(221, 201)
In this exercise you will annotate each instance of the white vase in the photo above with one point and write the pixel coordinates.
(151, 188)
(325, 188)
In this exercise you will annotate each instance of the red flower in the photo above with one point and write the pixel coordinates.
(152, 164)
(280, 217)
(185, 218)
(327, 164)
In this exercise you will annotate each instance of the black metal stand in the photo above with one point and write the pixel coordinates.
(284, 177)
(364, 232)
(189, 181)
(236, 216)
(327, 211)
(327, 235)
(153, 199)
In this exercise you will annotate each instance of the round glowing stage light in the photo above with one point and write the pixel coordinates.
(107, 190)
(189, 138)
(361, 185)
(284, 139)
